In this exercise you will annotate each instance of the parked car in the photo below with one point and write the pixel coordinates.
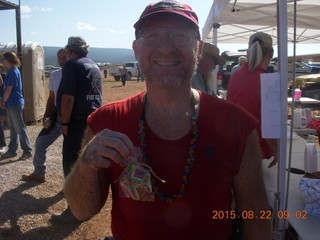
(114, 70)
(314, 64)
(301, 68)
(311, 90)
(49, 68)
(224, 71)
(309, 85)
(305, 80)
(132, 68)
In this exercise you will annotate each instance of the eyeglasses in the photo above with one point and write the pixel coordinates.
(154, 36)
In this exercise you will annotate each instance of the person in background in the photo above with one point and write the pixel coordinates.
(241, 61)
(209, 59)
(3, 112)
(79, 94)
(51, 124)
(244, 86)
(13, 101)
(139, 75)
(171, 154)
(105, 71)
(123, 73)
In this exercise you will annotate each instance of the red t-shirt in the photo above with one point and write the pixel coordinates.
(244, 90)
(223, 132)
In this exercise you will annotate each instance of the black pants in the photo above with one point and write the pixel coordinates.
(123, 79)
(2, 136)
(72, 143)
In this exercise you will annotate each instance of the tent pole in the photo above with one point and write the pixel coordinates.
(282, 17)
(214, 72)
(18, 28)
(292, 102)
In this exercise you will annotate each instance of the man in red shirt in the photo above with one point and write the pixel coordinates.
(173, 133)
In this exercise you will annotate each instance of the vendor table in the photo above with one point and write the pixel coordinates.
(306, 229)
(306, 102)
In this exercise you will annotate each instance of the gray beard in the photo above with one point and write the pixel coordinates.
(166, 81)
(169, 81)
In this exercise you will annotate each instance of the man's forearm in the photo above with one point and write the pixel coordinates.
(250, 195)
(84, 192)
(7, 94)
(66, 108)
(274, 145)
(50, 104)
(86, 187)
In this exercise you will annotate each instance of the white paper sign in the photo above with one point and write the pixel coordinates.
(270, 105)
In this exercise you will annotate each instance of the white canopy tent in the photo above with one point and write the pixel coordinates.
(239, 20)
(234, 21)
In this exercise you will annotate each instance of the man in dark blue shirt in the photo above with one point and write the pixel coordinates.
(79, 94)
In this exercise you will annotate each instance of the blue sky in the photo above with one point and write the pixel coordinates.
(102, 23)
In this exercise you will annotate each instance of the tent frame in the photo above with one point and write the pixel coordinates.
(6, 5)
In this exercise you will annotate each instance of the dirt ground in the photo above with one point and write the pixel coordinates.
(26, 207)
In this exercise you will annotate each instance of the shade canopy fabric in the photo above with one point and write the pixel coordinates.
(5, 5)
(241, 18)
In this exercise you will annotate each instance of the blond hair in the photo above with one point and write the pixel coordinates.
(260, 46)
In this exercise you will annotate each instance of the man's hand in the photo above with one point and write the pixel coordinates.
(273, 162)
(105, 148)
(274, 144)
(86, 187)
(2, 105)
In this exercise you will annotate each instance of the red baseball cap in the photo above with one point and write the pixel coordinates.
(168, 7)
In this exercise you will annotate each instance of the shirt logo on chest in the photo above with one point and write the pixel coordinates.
(209, 151)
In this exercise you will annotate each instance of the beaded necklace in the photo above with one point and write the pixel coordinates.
(190, 155)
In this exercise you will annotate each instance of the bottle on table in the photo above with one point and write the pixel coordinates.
(310, 155)
(297, 93)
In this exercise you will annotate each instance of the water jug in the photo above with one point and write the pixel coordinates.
(299, 118)
(310, 155)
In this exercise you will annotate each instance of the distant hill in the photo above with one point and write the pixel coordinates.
(99, 55)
